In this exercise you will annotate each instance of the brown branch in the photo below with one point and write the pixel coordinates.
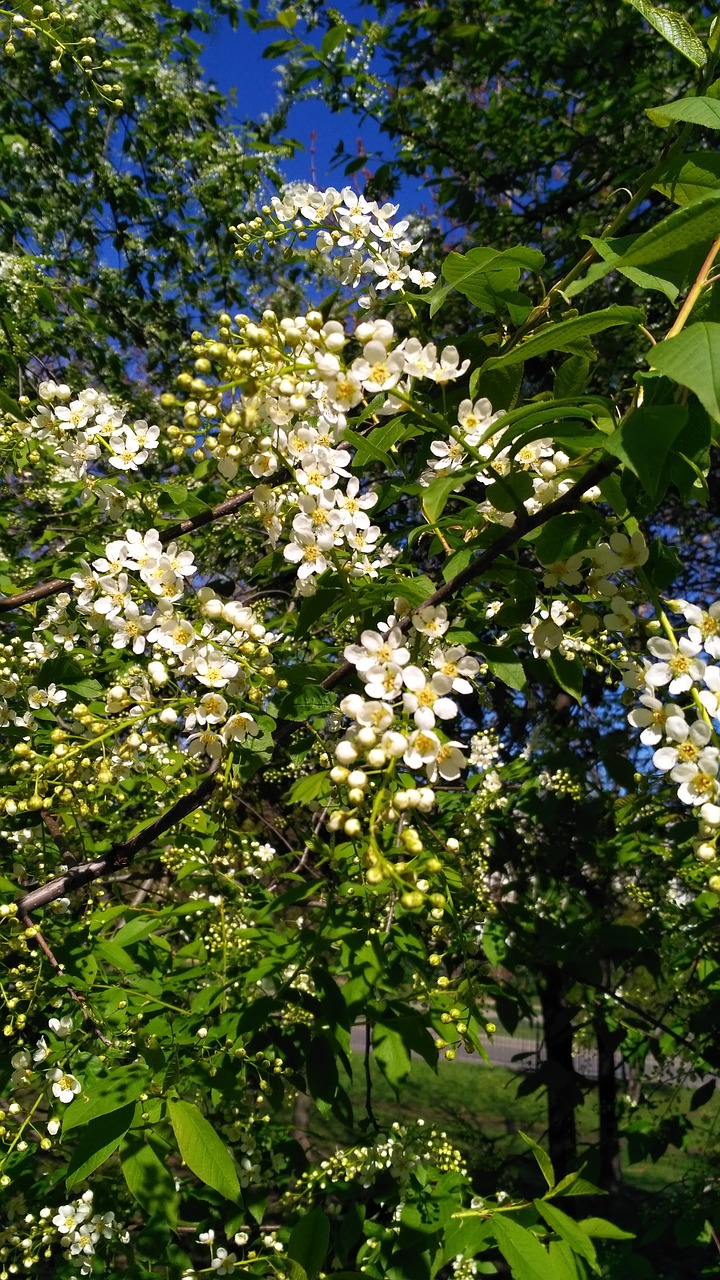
(55, 585)
(58, 836)
(39, 592)
(121, 855)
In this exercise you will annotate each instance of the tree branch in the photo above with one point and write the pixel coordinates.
(121, 855)
(55, 585)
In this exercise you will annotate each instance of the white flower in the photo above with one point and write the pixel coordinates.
(426, 699)
(50, 697)
(205, 743)
(69, 1217)
(449, 762)
(376, 650)
(127, 452)
(698, 780)
(456, 665)
(42, 1051)
(64, 1086)
(677, 668)
(431, 620)
(306, 552)
(239, 726)
(377, 369)
(691, 740)
(651, 717)
(213, 669)
(131, 629)
(423, 747)
(223, 1262)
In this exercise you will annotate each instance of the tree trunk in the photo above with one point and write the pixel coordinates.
(561, 1084)
(609, 1175)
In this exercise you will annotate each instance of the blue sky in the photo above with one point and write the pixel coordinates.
(234, 60)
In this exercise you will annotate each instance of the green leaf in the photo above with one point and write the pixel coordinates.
(675, 29)
(575, 1185)
(564, 535)
(486, 277)
(139, 927)
(542, 1157)
(645, 439)
(564, 1264)
(302, 703)
(391, 1054)
(693, 225)
(689, 177)
(572, 377)
(566, 335)
(612, 253)
(701, 111)
(149, 1180)
(309, 1241)
(693, 360)
(505, 665)
(568, 1230)
(109, 1093)
(521, 1250)
(100, 1139)
(202, 1150)
(601, 1229)
(568, 673)
(437, 494)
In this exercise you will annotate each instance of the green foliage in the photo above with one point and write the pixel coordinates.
(224, 865)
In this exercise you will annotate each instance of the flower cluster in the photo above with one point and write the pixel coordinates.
(369, 242)
(473, 442)
(296, 390)
(85, 430)
(399, 720)
(679, 711)
(397, 1153)
(596, 576)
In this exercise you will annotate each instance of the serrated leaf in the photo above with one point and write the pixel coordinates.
(689, 177)
(570, 1231)
(302, 703)
(568, 673)
(601, 1229)
(99, 1140)
(436, 495)
(101, 1096)
(692, 359)
(203, 1150)
(675, 29)
(693, 225)
(505, 665)
(527, 1258)
(542, 1157)
(566, 335)
(701, 111)
(309, 1241)
(149, 1180)
(644, 441)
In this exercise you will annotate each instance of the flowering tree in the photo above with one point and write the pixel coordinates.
(256, 724)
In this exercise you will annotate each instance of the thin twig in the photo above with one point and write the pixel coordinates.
(55, 963)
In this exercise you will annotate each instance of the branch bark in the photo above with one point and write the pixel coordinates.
(121, 855)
